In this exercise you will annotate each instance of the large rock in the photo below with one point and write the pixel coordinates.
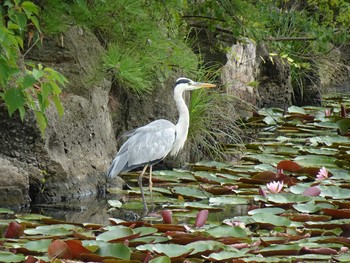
(76, 150)
(256, 78)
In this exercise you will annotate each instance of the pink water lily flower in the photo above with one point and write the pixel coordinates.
(322, 174)
(275, 187)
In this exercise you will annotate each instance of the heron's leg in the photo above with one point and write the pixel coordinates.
(141, 188)
(151, 184)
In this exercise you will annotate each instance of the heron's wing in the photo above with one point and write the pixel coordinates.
(147, 144)
(151, 142)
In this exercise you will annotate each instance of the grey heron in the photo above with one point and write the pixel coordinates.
(151, 143)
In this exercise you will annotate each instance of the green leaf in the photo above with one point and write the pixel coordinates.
(28, 81)
(227, 231)
(117, 232)
(203, 246)
(171, 250)
(223, 256)
(41, 120)
(29, 8)
(6, 256)
(38, 246)
(271, 219)
(14, 99)
(228, 200)
(59, 107)
(344, 125)
(37, 74)
(161, 259)
(115, 250)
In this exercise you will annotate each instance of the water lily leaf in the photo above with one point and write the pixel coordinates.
(200, 206)
(271, 112)
(226, 255)
(145, 231)
(161, 259)
(14, 230)
(334, 192)
(296, 109)
(223, 231)
(311, 207)
(290, 166)
(265, 158)
(275, 250)
(270, 210)
(228, 200)
(172, 176)
(287, 198)
(77, 249)
(329, 140)
(115, 203)
(204, 247)
(59, 249)
(6, 211)
(190, 192)
(315, 160)
(343, 125)
(268, 218)
(115, 250)
(10, 257)
(209, 177)
(38, 245)
(337, 213)
(118, 233)
(170, 250)
(204, 165)
(51, 230)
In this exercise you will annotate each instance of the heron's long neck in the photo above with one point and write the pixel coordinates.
(183, 122)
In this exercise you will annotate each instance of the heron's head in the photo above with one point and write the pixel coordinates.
(187, 84)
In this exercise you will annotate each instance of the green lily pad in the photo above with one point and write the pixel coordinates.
(115, 232)
(6, 256)
(170, 250)
(268, 218)
(228, 200)
(38, 245)
(190, 192)
(115, 250)
(224, 231)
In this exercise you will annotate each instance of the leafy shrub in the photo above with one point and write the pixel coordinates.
(25, 85)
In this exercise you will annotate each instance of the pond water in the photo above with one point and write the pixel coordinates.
(311, 136)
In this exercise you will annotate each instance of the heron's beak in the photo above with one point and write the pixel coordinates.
(204, 85)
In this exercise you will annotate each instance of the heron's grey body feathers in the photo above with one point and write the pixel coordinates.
(147, 144)
(151, 143)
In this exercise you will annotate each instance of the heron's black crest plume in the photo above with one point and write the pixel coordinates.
(182, 80)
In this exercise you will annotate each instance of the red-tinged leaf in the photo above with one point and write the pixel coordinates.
(307, 217)
(186, 238)
(312, 191)
(167, 216)
(339, 240)
(77, 249)
(321, 251)
(265, 177)
(219, 189)
(337, 213)
(201, 218)
(32, 259)
(59, 249)
(169, 227)
(312, 171)
(14, 230)
(290, 166)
